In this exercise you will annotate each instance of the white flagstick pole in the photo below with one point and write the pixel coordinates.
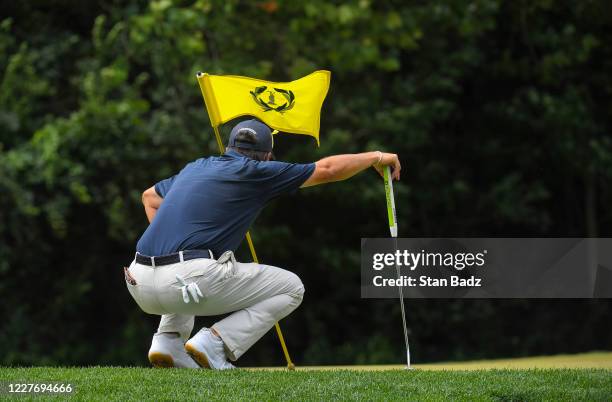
(393, 230)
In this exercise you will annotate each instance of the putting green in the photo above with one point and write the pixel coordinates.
(583, 360)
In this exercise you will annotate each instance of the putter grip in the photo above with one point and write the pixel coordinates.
(390, 201)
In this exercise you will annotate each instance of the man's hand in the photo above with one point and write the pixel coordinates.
(341, 167)
(389, 160)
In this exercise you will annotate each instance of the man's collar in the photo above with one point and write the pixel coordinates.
(231, 152)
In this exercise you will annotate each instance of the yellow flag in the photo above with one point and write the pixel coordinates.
(292, 107)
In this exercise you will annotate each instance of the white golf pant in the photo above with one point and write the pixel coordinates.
(258, 295)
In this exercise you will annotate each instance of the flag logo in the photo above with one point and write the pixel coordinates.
(276, 99)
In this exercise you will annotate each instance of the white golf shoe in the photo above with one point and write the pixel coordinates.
(207, 349)
(168, 350)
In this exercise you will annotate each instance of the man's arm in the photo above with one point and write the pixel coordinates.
(151, 201)
(342, 167)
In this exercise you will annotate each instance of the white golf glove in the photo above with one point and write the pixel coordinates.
(189, 289)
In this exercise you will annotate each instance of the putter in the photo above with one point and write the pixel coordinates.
(393, 230)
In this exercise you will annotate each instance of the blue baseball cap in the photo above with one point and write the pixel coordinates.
(262, 133)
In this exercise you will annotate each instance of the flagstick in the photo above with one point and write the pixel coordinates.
(290, 364)
(393, 229)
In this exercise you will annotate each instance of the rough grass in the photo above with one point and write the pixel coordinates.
(118, 383)
(586, 376)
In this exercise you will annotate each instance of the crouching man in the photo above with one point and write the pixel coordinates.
(185, 266)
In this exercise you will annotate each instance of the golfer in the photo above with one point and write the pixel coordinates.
(185, 265)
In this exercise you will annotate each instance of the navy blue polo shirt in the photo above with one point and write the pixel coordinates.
(213, 201)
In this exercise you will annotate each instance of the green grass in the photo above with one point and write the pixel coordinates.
(601, 360)
(117, 383)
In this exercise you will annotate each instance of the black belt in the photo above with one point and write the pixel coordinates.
(172, 258)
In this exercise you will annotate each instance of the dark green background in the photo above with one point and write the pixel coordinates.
(500, 112)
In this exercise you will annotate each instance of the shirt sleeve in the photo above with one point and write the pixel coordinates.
(162, 187)
(288, 177)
